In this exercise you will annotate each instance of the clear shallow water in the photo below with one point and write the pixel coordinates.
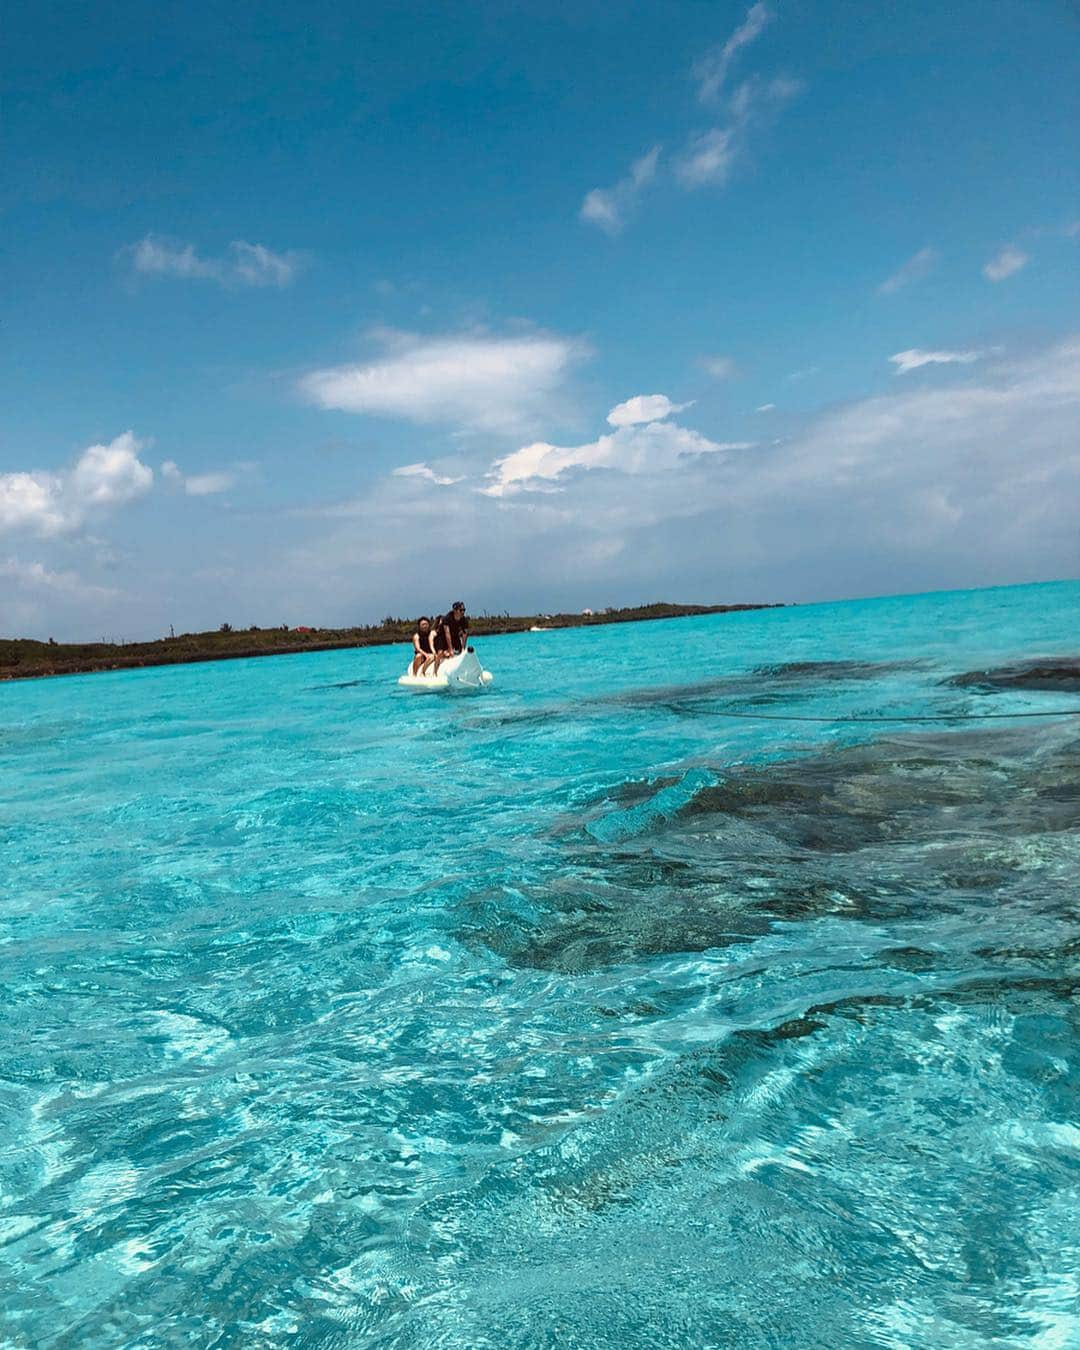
(575, 1013)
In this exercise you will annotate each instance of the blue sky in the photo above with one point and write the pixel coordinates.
(699, 301)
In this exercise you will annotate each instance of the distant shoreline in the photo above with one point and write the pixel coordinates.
(25, 659)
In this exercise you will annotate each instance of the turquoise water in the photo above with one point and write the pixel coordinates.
(574, 1013)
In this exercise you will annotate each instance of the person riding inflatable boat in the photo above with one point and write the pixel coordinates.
(442, 657)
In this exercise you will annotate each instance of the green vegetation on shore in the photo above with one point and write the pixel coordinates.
(21, 658)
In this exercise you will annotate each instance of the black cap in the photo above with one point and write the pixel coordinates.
(458, 604)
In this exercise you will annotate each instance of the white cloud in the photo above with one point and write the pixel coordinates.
(52, 503)
(915, 268)
(984, 467)
(643, 408)
(765, 407)
(711, 70)
(1004, 264)
(756, 96)
(243, 265)
(425, 472)
(636, 448)
(711, 155)
(256, 265)
(719, 367)
(109, 475)
(31, 501)
(477, 383)
(914, 358)
(160, 257)
(609, 207)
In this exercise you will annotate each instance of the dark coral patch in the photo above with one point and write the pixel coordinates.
(1059, 673)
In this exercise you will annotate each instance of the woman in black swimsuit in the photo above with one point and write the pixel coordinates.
(421, 641)
(440, 649)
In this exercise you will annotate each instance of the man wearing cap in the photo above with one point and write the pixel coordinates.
(456, 629)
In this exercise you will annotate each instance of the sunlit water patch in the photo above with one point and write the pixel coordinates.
(582, 1012)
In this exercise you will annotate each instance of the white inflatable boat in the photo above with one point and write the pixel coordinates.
(459, 674)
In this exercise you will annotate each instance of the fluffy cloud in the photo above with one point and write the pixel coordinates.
(1005, 263)
(609, 207)
(915, 268)
(109, 475)
(31, 501)
(199, 484)
(711, 70)
(641, 443)
(243, 264)
(476, 383)
(643, 408)
(914, 358)
(53, 503)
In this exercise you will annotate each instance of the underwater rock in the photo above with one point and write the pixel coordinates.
(911, 788)
(1060, 673)
(905, 826)
(833, 670)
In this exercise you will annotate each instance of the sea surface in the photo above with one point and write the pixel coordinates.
(580, 1012)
